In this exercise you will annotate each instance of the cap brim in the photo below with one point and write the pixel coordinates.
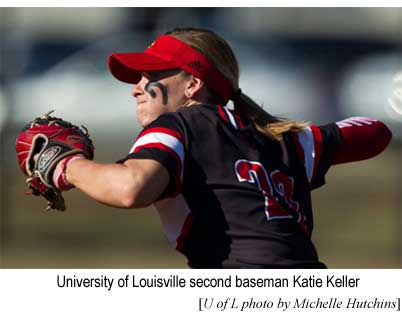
(127, 67)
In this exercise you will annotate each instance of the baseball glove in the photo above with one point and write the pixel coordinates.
(41, 145)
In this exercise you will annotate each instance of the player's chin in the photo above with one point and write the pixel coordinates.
(146, 116)
(142, 124)
(143, 120)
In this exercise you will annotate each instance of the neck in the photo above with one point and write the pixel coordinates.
(191, 102)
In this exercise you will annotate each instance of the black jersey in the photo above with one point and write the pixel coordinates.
(237, 198)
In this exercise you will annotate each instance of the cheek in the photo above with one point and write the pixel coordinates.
(142, 115)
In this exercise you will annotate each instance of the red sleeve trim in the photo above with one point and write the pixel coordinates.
(317, 150)
(163, 130)
(238, 120)
(222, 113)
(361, 141)
(299, 148)
(173, 153)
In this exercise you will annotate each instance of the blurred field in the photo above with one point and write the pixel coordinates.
(357, 225)
(358, 214)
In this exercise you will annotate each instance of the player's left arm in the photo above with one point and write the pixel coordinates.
(361, 138)
(349, 140)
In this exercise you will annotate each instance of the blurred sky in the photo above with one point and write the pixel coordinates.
(315, 64)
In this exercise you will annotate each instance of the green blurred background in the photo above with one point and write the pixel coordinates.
(320, 65)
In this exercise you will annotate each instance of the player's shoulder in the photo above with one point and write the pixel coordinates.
(190, 111)
(192, 115)
(197, 109)
(184, 118)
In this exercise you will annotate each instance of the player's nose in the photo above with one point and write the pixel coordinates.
(138, 89)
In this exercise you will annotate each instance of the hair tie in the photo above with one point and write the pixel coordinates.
(235, 95)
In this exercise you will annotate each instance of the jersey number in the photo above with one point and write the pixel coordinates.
(255, 173)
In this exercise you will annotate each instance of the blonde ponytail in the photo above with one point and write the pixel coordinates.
(271, 126)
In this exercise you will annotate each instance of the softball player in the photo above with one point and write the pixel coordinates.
(232, 187)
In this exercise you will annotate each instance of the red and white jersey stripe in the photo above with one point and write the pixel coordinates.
(230, 117)
(164, 139)
(164, 136)
(309, 148)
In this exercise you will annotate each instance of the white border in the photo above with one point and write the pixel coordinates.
(37, 290)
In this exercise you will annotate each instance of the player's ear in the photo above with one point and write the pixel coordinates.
(192, 86)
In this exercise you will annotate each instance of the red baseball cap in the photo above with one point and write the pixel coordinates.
(167, 53)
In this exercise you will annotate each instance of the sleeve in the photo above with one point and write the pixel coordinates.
(349, 140)
(362, 138)
(316, 146)
(162, 141)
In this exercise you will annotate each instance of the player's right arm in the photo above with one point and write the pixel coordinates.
(151, 171)
(133, 184)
